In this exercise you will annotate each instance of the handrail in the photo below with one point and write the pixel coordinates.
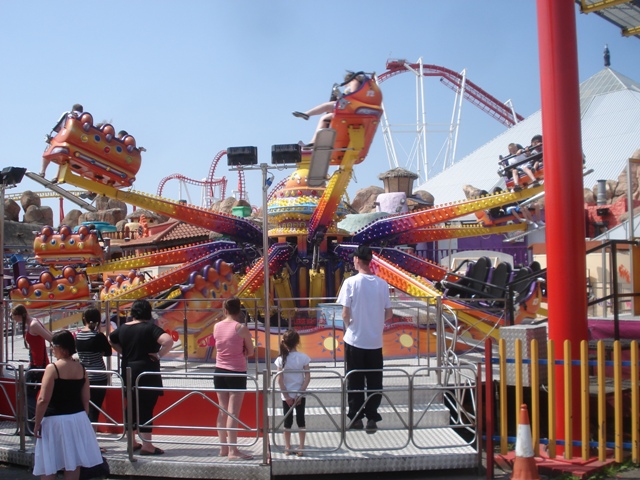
(277, 426)
(613, 281)
(201, 380)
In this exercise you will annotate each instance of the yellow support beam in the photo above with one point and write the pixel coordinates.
(601, 5)
(630, 32)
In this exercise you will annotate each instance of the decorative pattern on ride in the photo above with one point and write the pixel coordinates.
(95, 153)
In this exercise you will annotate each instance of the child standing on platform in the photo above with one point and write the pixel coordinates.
(293, 381)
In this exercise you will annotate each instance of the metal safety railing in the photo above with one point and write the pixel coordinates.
(9, 398)
(188, 387)
(415, 404)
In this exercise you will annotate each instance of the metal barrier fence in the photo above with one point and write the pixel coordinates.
(10, 400)
(427, 399)
(604, 378)
(189, 386)
(191, 327)
(409, 397)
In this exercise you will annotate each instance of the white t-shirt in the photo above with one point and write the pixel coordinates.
(517, 158)
(293, 380)
(367, 296)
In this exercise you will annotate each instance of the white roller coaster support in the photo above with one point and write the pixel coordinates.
(509, 103)
(456, 117)
(423, 121)
(183, 184)
(388, 142)
(419, 147)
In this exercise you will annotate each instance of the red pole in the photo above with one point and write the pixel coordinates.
(61, 209)
(566, 251)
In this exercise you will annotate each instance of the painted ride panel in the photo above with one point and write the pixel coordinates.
(394, 225)
(360, 109)
(51, 290)
(95, 153)
(64, 247)
(236, 227)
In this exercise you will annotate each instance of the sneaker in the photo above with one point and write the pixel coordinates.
(300, 115)
(372, 427)
(517, 188)
(356, 425)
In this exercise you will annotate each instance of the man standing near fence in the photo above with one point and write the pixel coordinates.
(365, 307)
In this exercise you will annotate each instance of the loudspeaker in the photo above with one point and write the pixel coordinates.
(283, 154)
(12, 175)
(242, 156)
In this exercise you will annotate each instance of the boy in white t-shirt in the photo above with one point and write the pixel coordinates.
(366, 307)
(293, 381)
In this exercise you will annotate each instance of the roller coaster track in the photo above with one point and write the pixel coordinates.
(472, 92)
(211, 182)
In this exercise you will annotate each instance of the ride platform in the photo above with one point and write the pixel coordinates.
(417, 431)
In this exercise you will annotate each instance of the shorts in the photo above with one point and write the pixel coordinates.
(229, 382)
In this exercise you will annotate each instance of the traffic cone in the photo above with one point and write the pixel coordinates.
(524, 466)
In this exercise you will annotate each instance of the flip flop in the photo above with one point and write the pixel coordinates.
(156, 451)
(300, 454)
(300, 115)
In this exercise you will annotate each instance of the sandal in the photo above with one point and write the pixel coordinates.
(156, 451)
(300, 453)
(300, 115)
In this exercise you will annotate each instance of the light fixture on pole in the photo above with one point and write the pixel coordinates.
(246, 158)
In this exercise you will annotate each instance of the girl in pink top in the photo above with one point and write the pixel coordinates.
(233, 345)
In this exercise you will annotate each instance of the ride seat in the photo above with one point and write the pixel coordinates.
(521, 285)
(474, 282)
(499, 278)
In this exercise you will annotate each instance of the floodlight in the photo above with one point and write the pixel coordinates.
(12, 175)
(285, 154)
(237, 156)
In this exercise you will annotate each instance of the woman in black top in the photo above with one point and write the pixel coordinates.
(141, 344)
(65, 439)
(92, 345)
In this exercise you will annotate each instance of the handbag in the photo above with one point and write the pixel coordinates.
(34, 376)
(101, 470)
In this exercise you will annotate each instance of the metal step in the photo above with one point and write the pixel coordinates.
(396, 416)
(384, 451)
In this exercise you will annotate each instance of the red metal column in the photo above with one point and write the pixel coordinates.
(566, 251)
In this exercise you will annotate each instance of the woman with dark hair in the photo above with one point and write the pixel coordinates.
(233, 345)
(35, 334)
(141, 344)
(92, 345)
(65, 439)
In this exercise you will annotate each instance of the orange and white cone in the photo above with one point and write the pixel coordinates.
(524, 466)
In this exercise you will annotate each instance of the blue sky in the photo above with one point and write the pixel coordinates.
(191, 78)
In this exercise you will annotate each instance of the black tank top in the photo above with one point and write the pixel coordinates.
(67, 396)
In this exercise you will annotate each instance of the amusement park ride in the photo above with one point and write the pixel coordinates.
(308, 253)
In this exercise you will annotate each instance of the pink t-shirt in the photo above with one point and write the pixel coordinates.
(229, 346)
